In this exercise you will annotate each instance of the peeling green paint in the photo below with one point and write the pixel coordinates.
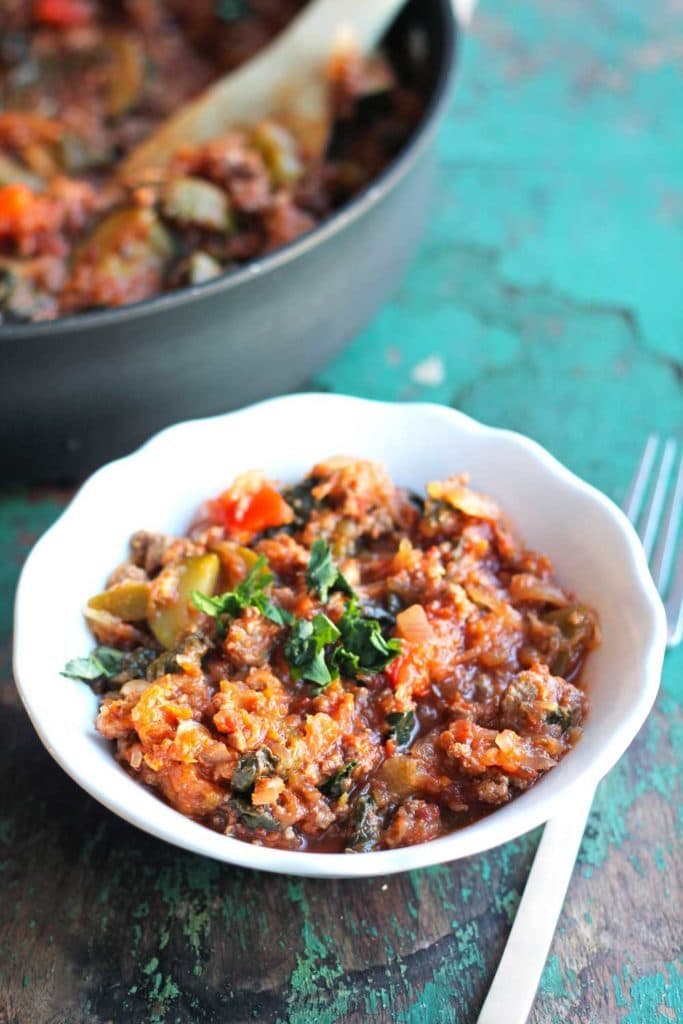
(553, 979)
(634, 859)
(660, 859)
(656, 998)
(183, 886)
(315, 990)
(619, 996)
(151, 967)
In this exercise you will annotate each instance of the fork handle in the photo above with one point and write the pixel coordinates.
(516, 981)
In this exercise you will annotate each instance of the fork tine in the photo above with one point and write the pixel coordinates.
(666, 546)
(652, 515)
(636, 491)
(674, 604)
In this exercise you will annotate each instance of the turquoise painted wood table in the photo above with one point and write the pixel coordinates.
(547, 297)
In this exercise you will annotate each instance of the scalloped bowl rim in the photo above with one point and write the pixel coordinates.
(574, 774)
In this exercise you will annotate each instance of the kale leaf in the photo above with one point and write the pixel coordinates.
(322, 575)
(254, 817)
(564, 717)
(365, 824)
(338, 782)
(251, 767)
(301, 501)
(402, 724)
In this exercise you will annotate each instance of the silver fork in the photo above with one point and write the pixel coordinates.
(654, 505)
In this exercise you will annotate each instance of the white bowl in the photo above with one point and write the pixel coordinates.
(595, 550)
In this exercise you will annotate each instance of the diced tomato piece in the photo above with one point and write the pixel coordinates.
(15, 200)
(393, 671)
(250, 513)
(390, 747)
(409, 674)
(63, 13)
(24, 213)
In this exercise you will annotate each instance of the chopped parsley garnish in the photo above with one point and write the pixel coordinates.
(384, 613)
(322, 575)
(401, 724)
(364, 650)
(319, 651)
(316, 649)
(103, 662)
(305, 650)
(249, 593)
(339, 782)
(564, 717)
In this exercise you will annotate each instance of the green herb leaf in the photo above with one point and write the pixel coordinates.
(563, 717)
(136, 662)
(251, 767)
(364, 650)
(162, 665)
(305, 649)
(254, 817)
(339, 782)
(187, 656)
(280, 616)
(365, 824)
(246, 593)
(402, 724)
(249, 593)
(213, 606)
(103, 662)
(301, 501)
(322, 575)
(385, 615)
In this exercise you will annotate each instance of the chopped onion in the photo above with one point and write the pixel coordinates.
(526, 587)
(455, 492)
(413, 625)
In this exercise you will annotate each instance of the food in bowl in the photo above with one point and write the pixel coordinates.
(83, 81)
(338, 665)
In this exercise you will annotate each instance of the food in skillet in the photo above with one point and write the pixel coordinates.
(83, 81)
(339, 665)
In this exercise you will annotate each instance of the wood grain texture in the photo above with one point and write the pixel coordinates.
(546, 298)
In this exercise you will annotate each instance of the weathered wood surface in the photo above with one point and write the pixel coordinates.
(546, 298)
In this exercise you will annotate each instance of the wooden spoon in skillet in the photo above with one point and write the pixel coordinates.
(287, 79)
